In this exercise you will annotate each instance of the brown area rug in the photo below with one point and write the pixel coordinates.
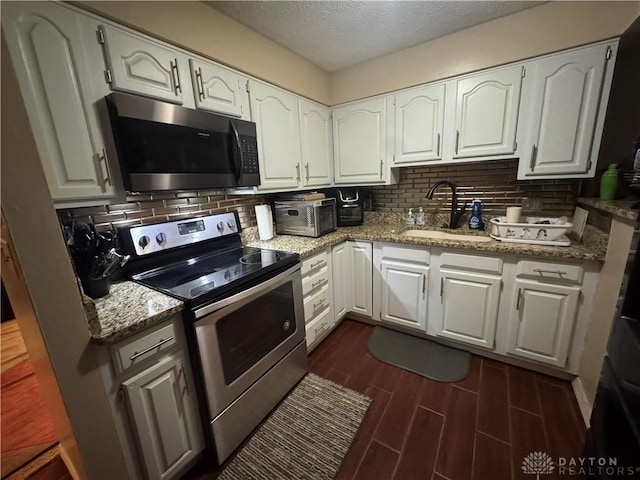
(27, 430)
(307, 435)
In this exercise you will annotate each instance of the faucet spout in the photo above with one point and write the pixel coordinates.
(456, 214)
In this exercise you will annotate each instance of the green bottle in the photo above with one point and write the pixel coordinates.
(609, 183)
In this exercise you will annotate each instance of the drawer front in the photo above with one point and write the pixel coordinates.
(316, 303)
(134, 351)
(318, 327)
(471, 262)
(550, 271)
(315, 281)
(313, 264)
(417, 255)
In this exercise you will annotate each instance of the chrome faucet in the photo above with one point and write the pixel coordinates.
(455, 213)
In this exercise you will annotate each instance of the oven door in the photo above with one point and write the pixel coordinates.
(241, 337)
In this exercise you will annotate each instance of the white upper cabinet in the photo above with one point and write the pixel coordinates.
(219, 90)
(541, 321)
(419, 121)
(138, 65)
(52, 49)
(565, 96)
(315, 137)
(359, 142)
(486, 113)
(276, 115)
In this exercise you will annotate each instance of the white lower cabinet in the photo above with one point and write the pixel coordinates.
(340, 284)
(469, 307)
(360, 277)
(163, 415)
(317, 291)
(153, 401)
(404, 286)
(541, 321)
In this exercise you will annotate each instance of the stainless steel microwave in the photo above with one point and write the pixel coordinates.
(166, 147)
(310, 218)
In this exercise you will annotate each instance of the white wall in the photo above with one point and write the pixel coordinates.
(550, 27)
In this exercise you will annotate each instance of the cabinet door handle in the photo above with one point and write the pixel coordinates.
(306, 168)
(438, 147)
(100, 177)
(147, 350)
(298, 172)
(424, 284)
(457, 140)
(381, 167)
(184, 377)
(107, 167)
(441, 289)
(534, 154)
(176, 76)
(200, 83)
(518, 299)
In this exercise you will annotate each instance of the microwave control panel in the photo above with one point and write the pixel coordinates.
(249, 155)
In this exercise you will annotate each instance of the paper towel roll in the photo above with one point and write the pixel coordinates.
(514, 214)
(265, 221)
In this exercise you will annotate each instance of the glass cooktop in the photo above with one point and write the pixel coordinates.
(206, 274)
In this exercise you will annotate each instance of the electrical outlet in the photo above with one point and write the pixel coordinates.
(532, 204)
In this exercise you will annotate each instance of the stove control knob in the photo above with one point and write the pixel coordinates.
(161, 238)
(220, 227)
(231, 225)
(144, 241)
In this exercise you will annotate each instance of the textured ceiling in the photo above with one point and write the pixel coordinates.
(336, 34)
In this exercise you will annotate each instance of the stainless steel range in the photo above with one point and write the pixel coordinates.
(244, 317)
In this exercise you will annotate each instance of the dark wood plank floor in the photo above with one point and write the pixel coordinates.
(479, 428)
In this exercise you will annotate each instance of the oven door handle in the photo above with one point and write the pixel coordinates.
(256, 290)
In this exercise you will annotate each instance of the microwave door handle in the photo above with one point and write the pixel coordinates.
(239, 160)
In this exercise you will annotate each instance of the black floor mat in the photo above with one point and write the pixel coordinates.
(418, 355)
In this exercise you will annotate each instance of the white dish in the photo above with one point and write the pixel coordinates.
(562, 241)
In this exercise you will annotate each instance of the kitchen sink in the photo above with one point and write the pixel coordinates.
(444, 235)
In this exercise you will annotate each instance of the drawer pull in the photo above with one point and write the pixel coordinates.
(318, 283)
(316, 264)
(147, 350)
(321, 328)
(553, 272)
(319, 304)
(184, 377)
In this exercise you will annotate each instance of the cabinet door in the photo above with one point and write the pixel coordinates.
(315, 136)
(404, 294)
(565, 97)
(419, 118)
(165, 420)
(361, 277)
(219, 90)
(469, 307)
(359, 142)
(341, 285)
(138, 65)
(541, 321)
(487, 113)
(50, 53)
(276, 115)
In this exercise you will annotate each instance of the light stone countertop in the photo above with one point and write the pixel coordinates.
(618, 208)
(127, 309)
(130, 307)
(386, 228)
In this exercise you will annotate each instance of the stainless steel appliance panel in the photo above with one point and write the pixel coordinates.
(242, 337)
(306, 218)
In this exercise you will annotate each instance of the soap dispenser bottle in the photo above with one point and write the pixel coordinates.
(475, 219)
(420, 217)
(410, 220)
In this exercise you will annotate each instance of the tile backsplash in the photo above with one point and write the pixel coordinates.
(494, 182)
(154, 208)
